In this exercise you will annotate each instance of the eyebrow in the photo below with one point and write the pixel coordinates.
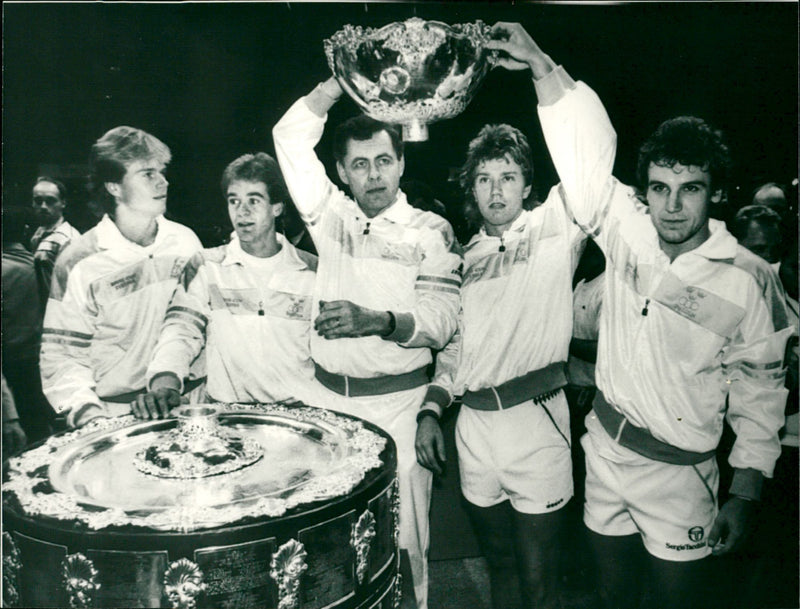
(231, 195)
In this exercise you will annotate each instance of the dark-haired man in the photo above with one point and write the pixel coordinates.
(387, 288)
(247, 302)
(54, 232)
(111, 286)
(693, 330)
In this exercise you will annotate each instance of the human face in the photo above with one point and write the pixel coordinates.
(499, 190)
(143, 188)
(763, 240)
(372, 171)
(679, 199)
(47, 203)
(253, 216)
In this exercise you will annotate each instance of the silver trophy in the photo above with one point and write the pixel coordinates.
(411, 73)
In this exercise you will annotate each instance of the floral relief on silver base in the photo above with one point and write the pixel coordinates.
(413, 72)
(183, 583)
(287, 565)
(11, 568)
(80, 580)
(361, 540)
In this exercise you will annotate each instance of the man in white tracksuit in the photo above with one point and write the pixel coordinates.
(509, 364)
(111, 286)
(248, 303)
(386, 292)
(693, 330)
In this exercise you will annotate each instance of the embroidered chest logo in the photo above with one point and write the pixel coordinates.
(690, 302)
(177, 268)
(297, 307)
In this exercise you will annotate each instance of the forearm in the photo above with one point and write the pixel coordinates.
(323, 97)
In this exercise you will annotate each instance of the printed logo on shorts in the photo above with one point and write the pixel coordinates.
(696, 534)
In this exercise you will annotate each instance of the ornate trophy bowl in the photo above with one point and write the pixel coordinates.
(221, 505)
(411, 73)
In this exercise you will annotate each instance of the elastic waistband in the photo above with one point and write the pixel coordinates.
(352, 386)
(537, 385)
(640, 440)
(124, 398)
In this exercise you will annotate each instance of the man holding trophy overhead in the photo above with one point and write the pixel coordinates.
(387, 289)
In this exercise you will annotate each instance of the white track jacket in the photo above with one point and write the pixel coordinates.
(680, 343)
(403, 260)
(253, 322)
(107, 301)
(516, 300)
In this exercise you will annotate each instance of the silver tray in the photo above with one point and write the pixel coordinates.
(309, 455)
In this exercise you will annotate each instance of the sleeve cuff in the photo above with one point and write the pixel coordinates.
(403, 329)
(76, 414)
(747, 483)
(155, 375)
(439, 396)
(553, 86)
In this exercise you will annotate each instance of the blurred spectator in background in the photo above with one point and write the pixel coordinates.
(53, 232)
(772, 195)
(14, 438)
(22, 327)
(758, 228)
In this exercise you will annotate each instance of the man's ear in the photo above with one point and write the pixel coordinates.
(114, 189)
(402, 163)
(526, 192)
(277, 209)
(716, 197)
(342, 173)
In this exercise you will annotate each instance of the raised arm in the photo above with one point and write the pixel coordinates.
(295, 136)
(576, 127)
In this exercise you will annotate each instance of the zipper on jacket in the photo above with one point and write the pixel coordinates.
(261, 307)
(366, 229)
(502, 247)
(646, 304)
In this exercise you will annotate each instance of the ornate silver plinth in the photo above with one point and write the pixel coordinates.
(223, 505)
(411, 73)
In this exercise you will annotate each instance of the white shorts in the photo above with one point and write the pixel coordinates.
(516, 454)
(671, 506)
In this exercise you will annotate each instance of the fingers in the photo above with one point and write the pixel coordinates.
(429, 446)
(336, 319)
(155, 404)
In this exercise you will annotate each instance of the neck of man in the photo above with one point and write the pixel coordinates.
(138, 228)
(262, 248)
(52, 225)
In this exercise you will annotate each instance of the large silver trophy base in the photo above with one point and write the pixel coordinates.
(411, 73)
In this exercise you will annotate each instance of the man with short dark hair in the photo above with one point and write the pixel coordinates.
(247, 302)
(112, 285)
(54, 232)
(386, 292)
(693, 330)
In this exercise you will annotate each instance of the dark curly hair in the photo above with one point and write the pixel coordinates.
(494, 142)
(687, 140)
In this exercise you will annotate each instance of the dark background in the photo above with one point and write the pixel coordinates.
(211, 79)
